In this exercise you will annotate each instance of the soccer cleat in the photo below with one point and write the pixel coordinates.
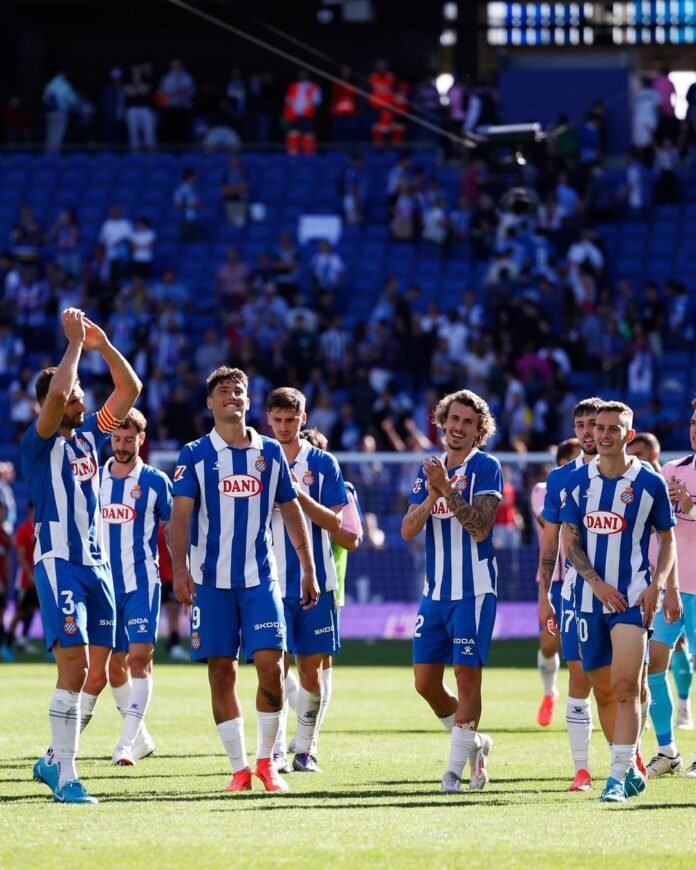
(143, 745)
(451, 783)
(545, 714)
(73, 792)
(281, 762)
(46, 773)
(661, 765)
(635, 783)
(7, 654)
(582, 781)
(690, 771)
(640, 764)
(123, 757)
(178, 654)
(613, 792)
(305, 762)
(684, 718)
(479, 772)
(241, 781)
(268, 776)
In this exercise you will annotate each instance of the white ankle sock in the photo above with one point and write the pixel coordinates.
(138, 702)
(232, 736)
(121, 695)
(669, 749)
(266, 733)
(579, 722)
(280, 747)
(623, 756)
(644, 707)
(447, 722)
(291, 687)
(326, 692)
(308, 704)
(462, 747)
(548, 669)
(87, 705)
(64, 719)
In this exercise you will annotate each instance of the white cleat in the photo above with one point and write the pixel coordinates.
(143, 745)
(451, 783)
(663, 765)
(479, 763)
(690, 771)
(685, 720)
(178, 654)
(123, 757)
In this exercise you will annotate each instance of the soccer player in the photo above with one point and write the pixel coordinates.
(548, 660)
(225, 486)
(611, 505)
(680, 475)
(59, 455)
(647, 448)
(455, 497)
(27, 600)
(312, 634)
(136, 498)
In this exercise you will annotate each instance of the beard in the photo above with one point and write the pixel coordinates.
(72, 421)
(123, 457)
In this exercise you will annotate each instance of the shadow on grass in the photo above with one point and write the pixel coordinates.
(634, 807)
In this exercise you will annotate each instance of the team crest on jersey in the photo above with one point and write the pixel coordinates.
(240, 486)
(459, 482)
(604, 522)
(627, 495)
(117, 513)
(70, 626)
(83, 468)
(260, 464)
(308, 478)
(179, 472)
(137, 491)
(418, 485)
(195, 641)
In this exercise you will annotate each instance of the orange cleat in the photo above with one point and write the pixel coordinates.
(241, 781)
(545, 714)
(582, 781)
(640, 764)
(268, 775)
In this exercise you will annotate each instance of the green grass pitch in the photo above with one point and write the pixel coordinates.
(377, 803)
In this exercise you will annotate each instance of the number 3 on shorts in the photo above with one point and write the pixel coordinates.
(195, 618)
(419, 624)
(68, 605)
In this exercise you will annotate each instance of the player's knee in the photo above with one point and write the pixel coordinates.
(548, 644)
(141, 667)
(604, 695)
(118, 671)
(222, 678)
(625, 689)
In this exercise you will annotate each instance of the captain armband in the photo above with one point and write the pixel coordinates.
(106, 421)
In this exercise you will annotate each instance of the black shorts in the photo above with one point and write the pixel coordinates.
(167, 593)
(27, 600)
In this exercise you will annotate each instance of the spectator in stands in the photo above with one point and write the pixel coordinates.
(12, 348)
(8, 504)
(343, 108)
(234, 103)
(175, 97)
(261, 102)
(666, 182)
(302, 100)
(382, 87)
(115, 235)
(170, 288)
(327, 268)
(59, 101)
(508, 524)
(140, 113)
(636, 191)
(436, 223)
(354, 190)
(27, 237)
(646, 106)
(65, 236)
(640, 369)
(143, 240)
(231, 281)
(668, 126)
(23, 406)
(187, 201)
(235, 191)
(404, 222)
(31, 309)
(112, 109)
(345, 433)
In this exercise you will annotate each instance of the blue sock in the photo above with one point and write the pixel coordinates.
(683, 672)
(661, 708)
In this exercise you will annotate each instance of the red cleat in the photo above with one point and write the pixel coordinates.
(241, 781)
(640, 764)
(545, 714)
(582, 781)
(268, 775)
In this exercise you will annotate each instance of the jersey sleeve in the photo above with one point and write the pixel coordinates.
(33, 446)
(163, 504)
(662, 513)
(333, 490)
(285, 490)
(551, 511)
(93, 425)
(185, 479)
(489, 479)
(419, 493)
(570, 507)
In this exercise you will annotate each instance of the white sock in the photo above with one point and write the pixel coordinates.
(548, 669)
(280, 747)
(462, 746)
(447, 722)
(232, 736)
(138, 702)
(579, 722)
(308, 704)
(64, 719)
(121, 695)
(623, 756)
(669, 749)
(644, 707)
(266, 733)
(87, 705)
(291, 687)
(326, 692)
(684, 706)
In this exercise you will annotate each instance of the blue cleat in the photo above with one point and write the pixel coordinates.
(46, 773)
(7, 654)
(73, 792)
(613, 792)
(305, 763)
(635, 783)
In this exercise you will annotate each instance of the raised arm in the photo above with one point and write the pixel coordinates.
(294, 520)
(63, 380)
(127, 385)
(475, 517)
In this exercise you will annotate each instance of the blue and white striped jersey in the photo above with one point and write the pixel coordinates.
(234, 490)
(63, 478)
(320, 477)
(553, 502)
(615, 517)
(456, 566)
(132, 508)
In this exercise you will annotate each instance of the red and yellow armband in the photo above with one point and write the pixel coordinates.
(106, 421)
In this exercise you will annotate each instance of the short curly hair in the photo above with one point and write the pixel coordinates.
(486, 427)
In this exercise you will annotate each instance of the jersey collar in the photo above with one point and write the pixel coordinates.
(464, 461)
(134, 472)
(220, 444)
(631, 472)
(305, 448)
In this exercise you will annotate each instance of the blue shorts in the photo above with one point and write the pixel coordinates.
(222, 620)
(669, 634)
(454, 632)
(594, 635)
(77, 603)
(570, 647)
(556, 603)
(137, 616)
(314, 631)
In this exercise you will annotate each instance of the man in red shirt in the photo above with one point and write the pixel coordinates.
(27, 600)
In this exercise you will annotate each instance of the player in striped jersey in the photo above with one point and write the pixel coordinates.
(225, 486)
(611, 505)
(59, 454)
(312, 634)
(548, 659)
(135, 499)
(680, 475)
(578, 707)
(455, 498)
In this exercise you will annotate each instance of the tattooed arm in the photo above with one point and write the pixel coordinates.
(476, 518)
(548, 558)
(417, 516)
(578, 558)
